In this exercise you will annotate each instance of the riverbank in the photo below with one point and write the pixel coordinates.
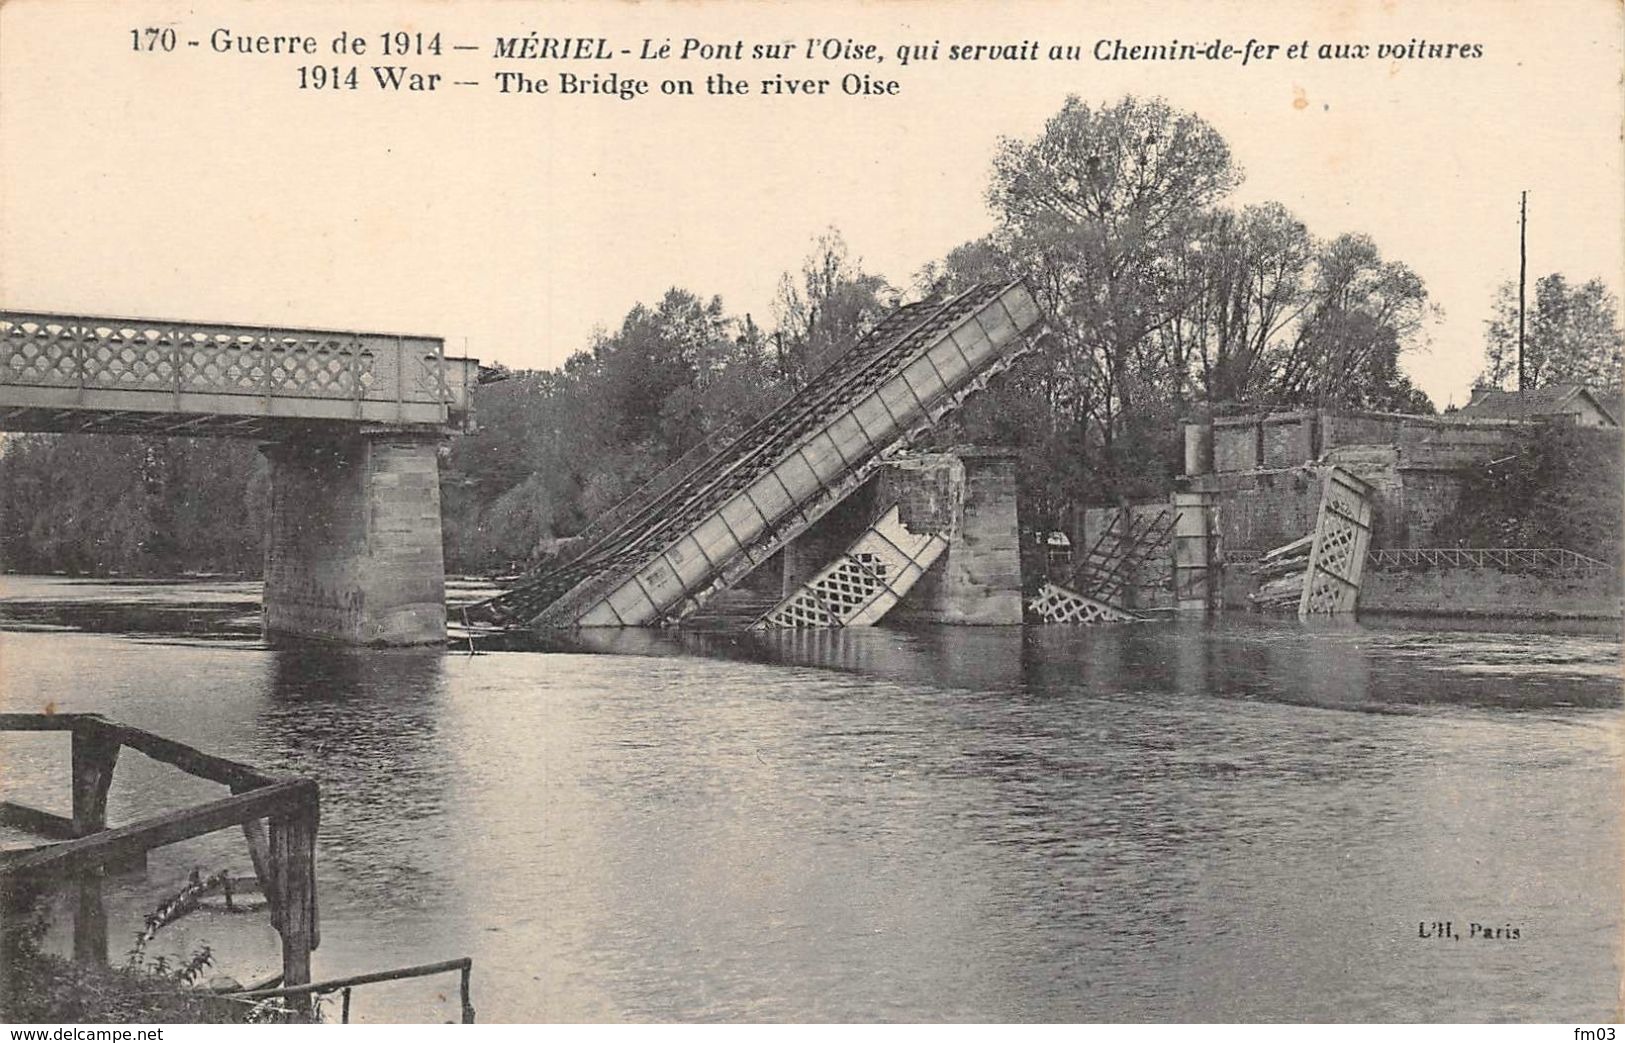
(1489, 594)
(41, 988)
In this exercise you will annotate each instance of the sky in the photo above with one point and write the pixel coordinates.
(195, 184)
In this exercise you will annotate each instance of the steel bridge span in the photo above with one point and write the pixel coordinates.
(350, 421)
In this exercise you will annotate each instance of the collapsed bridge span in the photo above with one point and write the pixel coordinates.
(679, 543)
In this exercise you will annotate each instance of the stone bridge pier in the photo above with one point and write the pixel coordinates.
(978, 581)
(967, 495)
(353, 551)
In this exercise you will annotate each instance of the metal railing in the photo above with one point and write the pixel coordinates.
(106, 364)
(464, 966)
(1507, 559)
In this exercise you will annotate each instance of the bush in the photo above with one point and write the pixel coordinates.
(37, 987)
(1561, 488)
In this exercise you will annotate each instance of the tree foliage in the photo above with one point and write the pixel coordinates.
(108, 504)
(555, 449)
(825, 307)
(1094, 212)
(1163, 298)
(1571, 336)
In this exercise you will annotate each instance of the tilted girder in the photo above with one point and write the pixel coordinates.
(678, 547)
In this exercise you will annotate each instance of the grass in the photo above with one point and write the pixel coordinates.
(37, 987)
(40, 988)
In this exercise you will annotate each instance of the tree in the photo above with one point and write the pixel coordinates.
(1571, 336)
(1362, 313)
(1163, 301)
(142, 505)
(1241, 287)
(508, 486)
(825, 308)
(556, 449)
(1096, 213)
(1559, 488)
(1097, 209)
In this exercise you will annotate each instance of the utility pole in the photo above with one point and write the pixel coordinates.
(1523, 271)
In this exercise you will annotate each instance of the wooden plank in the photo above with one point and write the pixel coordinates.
(259, 854)
(40, 722)
(125, 841)
(40, 823)
(1287, 549)
(188, 759)
(168, 751)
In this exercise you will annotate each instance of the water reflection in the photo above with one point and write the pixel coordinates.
(365, 723)
(1384, 666)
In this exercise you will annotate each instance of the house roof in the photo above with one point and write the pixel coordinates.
(1552, 400)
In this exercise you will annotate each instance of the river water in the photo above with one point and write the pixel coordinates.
(1241, 820)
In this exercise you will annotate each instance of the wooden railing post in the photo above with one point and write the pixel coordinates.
(463, 990)
(95, 752)
(284, 855)
(293, 857)
(90, 920)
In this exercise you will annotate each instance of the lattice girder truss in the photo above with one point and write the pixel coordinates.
(864, 582)
(1331, 586)
(1057, 604)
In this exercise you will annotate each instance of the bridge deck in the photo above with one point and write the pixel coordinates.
(141, 376)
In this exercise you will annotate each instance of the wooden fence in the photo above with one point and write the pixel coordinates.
(278, 817)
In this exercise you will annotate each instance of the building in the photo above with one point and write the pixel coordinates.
(1574, 401)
